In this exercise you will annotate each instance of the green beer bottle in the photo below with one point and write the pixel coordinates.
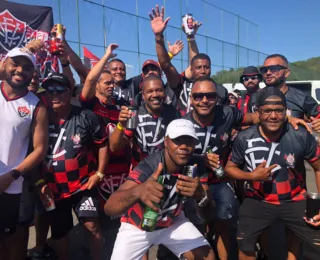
(150, 216)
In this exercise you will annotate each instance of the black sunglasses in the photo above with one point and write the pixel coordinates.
(272, 68)
(247, 78)
(58, 89)
(211, 96)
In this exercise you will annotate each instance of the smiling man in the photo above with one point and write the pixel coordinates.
(270, 156)
(153, 118)
(24, 120)
(141, 189)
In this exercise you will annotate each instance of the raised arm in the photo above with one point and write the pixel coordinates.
(158, 25)
(89, 88)
(192, 47)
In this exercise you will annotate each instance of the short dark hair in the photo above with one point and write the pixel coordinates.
(104, 71)
(283, 58)
(151, 78)
(201, 56)
(117, 60)
(203, 79)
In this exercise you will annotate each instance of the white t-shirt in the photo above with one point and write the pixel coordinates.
(16, 117)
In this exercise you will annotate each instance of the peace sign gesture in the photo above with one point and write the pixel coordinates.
(158, 25)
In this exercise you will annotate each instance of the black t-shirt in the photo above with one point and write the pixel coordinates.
(217, 134)
(171, 205)
(288, 180)
(70, 159)
(126, 94)
(183, 91)
(299, 103)
(150, 132)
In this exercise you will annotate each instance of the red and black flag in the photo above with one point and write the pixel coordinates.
(89, 58)
(19, 24)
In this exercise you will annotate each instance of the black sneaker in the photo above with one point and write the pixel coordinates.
(46, 254)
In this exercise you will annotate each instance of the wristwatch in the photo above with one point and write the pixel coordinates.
(15, 174)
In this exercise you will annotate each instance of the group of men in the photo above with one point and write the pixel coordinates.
(57, 157)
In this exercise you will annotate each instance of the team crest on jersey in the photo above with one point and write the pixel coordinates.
(76, 140)
(290, 160)
(23, 111)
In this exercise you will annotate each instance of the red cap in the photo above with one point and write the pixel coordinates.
(153, 62)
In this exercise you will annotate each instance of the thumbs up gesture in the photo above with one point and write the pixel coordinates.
(151, 191)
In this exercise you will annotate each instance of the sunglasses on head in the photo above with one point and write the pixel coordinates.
(247, 78)
(211, 96)
(58, 89)
(272, 68)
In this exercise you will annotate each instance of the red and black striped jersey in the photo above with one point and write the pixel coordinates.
(288, 181)
(70, 160)
(171, 205)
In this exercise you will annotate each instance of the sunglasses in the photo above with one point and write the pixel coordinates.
(272, 68)
(211, 96)
(57, 89)
(268, 112)
(247, 78)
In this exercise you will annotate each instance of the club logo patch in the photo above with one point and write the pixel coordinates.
(23, 111)
(290, 160)
(76, 139)
(288, 113)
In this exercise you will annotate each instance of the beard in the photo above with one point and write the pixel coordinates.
(278, 82)
(18, 86)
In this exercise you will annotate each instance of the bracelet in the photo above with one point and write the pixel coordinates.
(120, 126)
(100, 175)
(170, 55)
(192, 39)
(39, 182)
(160, 39)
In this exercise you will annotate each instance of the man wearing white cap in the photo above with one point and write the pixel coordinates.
(23, 118)
(141, 189)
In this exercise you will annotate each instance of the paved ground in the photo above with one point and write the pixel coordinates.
(78, 250)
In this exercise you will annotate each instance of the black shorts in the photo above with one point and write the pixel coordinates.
(9, 216)
(27, 204)
(85, 204)
(256, 216)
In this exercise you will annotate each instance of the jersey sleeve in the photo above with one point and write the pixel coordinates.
(238, 117)
(237, 155)
(312, 150)
(86, 103)
(311, 107)
(97, 131)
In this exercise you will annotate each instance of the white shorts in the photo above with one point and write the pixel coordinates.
(132, 243)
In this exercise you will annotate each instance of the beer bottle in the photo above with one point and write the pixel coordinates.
(219, 172)
(56, 39)
(150, 216)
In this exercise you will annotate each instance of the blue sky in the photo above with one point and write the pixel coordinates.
(289, 27)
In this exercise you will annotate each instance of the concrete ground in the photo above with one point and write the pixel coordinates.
(78, 251)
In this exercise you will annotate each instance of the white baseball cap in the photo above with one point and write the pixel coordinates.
(16, 52)
(181, 127)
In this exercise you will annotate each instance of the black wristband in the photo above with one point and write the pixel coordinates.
(15, 174)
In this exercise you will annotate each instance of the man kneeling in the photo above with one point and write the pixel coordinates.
(141, 189)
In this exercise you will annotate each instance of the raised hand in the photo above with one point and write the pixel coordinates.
(158, 24)
(151, 192)
(110, 49)
(176, 47)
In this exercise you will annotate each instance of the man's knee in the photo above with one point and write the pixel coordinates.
(203, 252)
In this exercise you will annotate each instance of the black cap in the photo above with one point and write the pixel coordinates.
(56, 78)
(250, 71)
(268, 92)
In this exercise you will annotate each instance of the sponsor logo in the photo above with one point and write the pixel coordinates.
(88, 205)
(290, 160)
(23, 111)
